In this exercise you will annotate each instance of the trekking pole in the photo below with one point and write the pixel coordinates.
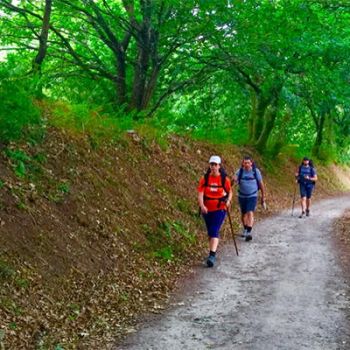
(233, 234)
(295, 192)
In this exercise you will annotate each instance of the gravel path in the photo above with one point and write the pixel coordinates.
(286, 290)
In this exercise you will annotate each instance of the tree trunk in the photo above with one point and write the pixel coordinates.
(319, 134)
(252, 117)
(151, 86)
(143, 57)
(120, 80)
(140, 76)
(39, 58)
(257, 118)
(281, 137)
(270, 118)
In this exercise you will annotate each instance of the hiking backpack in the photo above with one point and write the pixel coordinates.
(311, 165)
(240, 174)
(223, 176)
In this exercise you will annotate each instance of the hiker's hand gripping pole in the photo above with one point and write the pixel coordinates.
(233, 234)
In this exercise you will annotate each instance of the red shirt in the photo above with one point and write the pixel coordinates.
(214, 191)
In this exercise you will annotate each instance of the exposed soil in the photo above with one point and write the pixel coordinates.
(286, 290)
(92, 237)
(341, 231)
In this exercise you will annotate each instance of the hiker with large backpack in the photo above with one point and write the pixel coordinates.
(214, 197)
(249, 181)
(306, 177)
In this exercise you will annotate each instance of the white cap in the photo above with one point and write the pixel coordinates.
(215, 159)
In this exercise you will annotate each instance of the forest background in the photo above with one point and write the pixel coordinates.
(270, 74)
(109, 111)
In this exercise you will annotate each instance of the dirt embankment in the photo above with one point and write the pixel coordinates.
(91, 237)
(341, 231)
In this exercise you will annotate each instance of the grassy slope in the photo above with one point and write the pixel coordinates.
(91, 238)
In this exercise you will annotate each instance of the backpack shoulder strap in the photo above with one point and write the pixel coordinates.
(240, 174)
(206, 178)
(254, 170)
(256, 176)
(223, 179)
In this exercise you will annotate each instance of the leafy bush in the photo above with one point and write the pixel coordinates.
(20, 159)
(17, 110)
(168, 240)
(327, 153)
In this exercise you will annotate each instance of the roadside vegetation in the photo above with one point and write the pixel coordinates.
(109, 112)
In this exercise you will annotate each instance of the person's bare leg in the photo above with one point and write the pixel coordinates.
(303, 206)
(213, 244)
(249, 219)
(308, 205)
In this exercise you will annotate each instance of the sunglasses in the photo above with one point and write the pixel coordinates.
(213, 164)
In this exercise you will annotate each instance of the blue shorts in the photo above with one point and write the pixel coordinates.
(247, 204)
(306, 190)
(213, 221)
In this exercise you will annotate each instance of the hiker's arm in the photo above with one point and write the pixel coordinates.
(229, 198)
(262, 189)
(312, 178)
(201, 202)
(234, 180)
(297, 176)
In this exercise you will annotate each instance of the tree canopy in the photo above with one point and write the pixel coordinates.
(263, 73)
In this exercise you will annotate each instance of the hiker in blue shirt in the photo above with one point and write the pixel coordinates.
(306, 176)
(249, 181)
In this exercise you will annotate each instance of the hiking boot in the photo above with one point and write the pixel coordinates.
(302, 214)
(248, 237)
(307, 212)
(211, 260)
(244, 233)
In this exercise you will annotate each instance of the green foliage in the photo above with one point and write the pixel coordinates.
(59, 192)
(5, 270)
(263, 75)
(90, 121)
(21, 205)
(64, 187)
(151, 132)
(9, 305)
(184, 205)
(168, 241)
(24, 165)
(327, 153)
(164, 254)
(13, 326)
(74, 311)
(19, 158)
(58, 347)
(17, 112)
(22, 283)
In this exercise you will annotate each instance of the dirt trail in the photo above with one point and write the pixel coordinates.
(285, 291)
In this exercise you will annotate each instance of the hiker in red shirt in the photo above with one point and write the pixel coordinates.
(214, 195)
